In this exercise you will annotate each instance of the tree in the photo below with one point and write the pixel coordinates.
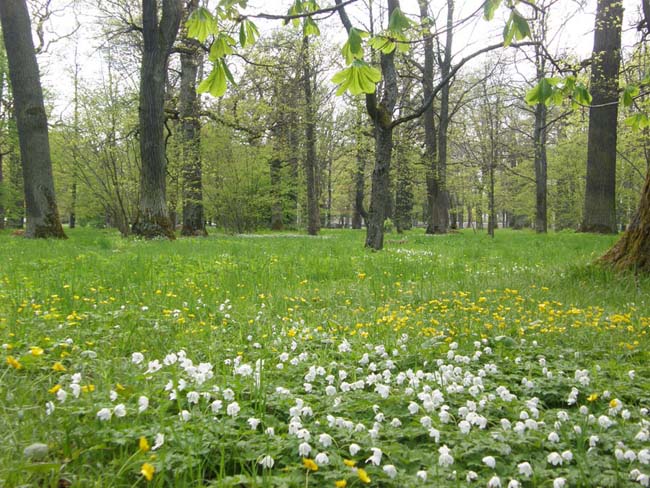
(189, 115)
(42, 212)
(159, 36)
(313, 210)
(600, 194)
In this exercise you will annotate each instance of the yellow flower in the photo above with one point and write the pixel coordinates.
(593, 397)
(36, 351)
(310, 464)
(147, 470)
(614, 403)
(13, 362)
(363, 476)
(54, 389)
(119, 387)
(144, 444)
(349, 462)
(88, 388)
(340, 484)
(58, 367)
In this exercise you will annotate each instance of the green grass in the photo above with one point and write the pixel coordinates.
(531, 305)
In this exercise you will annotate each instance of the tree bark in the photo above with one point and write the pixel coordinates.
(189, 113)
(600, 195)
(539, 138)
(42, 213)
(359, 215)
(632, 251)
(153, 218)
(311, 166)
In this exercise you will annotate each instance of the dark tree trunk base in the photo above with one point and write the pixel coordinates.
(596, 229)
(159, 228)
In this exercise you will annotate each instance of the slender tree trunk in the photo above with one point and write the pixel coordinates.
(539, 138)
(600, 195)
(311, 166)
(359, 215)
(153, 218)
(2, 207)
(277, 214)
(42, 212)
(330, 193)
(492, 218)
(189, 113)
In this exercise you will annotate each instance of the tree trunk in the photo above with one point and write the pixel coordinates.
(313, 210)
(153, 218)
(600, 194)
(42, 212)
(2, 207)
(277, 214)
(632, 251)
(539, 137)
(359, 215)
(189, 113)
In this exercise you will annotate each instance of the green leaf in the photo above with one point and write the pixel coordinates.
(398, 22)
(310, 28)
(522, 29)
(358, 78)
(248, 33)
(215, 83)
(630, 92)
(222, 46)
(490, 7)
(382, 43)
(201, 24)
(353, 48)
(581, 95)
(540, 93)
(638, 121)
(508, 32)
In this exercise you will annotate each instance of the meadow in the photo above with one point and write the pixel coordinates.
(279, 360)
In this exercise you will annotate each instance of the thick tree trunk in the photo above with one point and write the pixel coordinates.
(153, 218)
(539, 137)
(359, 214)
(380, 191)
(632, 251)
(189, 113)
(600, 195)
(311, 166)
(42, 212)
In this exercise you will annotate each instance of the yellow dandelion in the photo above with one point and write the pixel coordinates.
(36, 351)
(54, 389)
(593, 397)
(13, 362)
(350, 462)
(147, 470)
(143, 444)
(340, 484)
(58, 367)
(310, 464)
(363, 476)
(119, 387)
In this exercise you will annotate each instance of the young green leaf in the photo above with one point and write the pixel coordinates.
(540, 93)
(358, 78)
(382, 43)
(222, 46)
(630, 92)
(490, 7)
(638, 121)
(248, 33)
(353, 48)
(581, 95)
(522, 29)
(398, 22)
(310, 28)
(215, 83)
(201, 24)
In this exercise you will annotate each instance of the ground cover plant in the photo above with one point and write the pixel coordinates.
(284, 360)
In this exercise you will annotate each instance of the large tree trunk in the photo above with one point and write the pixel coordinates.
(153, 218)
(193, 215)
(600, 194)
(359, 213)
(539, 137)
(311, 166)
(42, 212)
(632, 251)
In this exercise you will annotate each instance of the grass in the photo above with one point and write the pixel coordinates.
(311, 336)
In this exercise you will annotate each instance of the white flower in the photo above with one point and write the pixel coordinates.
(158, 441)
(643, 435)
(143, 404)
(354, 449)
(567, 456)
(553, 437)
(471, 476)
(489, 461)
(104, 414)
(119, 410)
(593, 440)
(304, 449)
(525, 469)
(390, 470)
(153, 366)
(434, 434)
(559, 482)
(555, 459)
(629, 455)
(422, 475)
(445, 458)
(464, 426)
(643, 479)
(267, 462)
(322, 459)
(330, 390)
(192, 397)
(605, 422)
(233, 409)
(644, 456)
(61, 395)
(376, 456)
(413, 408)
(185, 415)
(228, 394)
(216, 405)
(137, 357)
(396, 422)
(76, 389)
(253, 422)
(49, 408)
(514, 484)
(325, 440)
(112, 395)
(495, 482)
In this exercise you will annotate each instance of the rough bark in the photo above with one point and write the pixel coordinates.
(310, 164)
(2, 208)
(600, 195)
(632, 251)
(359, 214)
(277, 216)
(189, 113)
(42, 212)
(539, 138)
(159, 35)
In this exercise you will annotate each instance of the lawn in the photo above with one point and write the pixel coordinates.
(276, 360)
